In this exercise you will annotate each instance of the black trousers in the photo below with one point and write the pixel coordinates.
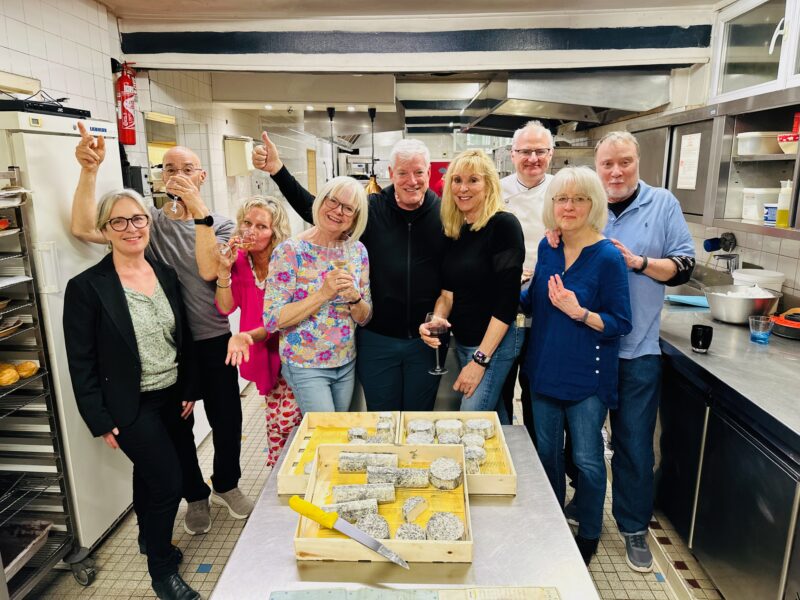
(507, 393)
(219, 388)
(153, 443)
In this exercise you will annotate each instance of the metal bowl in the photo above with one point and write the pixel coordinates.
(737, 310)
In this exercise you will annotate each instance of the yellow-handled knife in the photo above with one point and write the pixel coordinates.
(331, 520)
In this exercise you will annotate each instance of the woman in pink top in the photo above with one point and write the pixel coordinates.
(262, 224)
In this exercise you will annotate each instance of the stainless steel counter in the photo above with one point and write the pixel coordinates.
(767, 377)
(519, 541)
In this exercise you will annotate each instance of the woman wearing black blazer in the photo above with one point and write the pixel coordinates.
(129, 351)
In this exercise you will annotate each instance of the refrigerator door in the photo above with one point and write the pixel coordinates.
(100, 477)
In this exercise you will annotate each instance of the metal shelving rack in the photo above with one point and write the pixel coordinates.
(33, 481)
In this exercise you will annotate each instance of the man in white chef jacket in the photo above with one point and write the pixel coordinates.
(523, 193)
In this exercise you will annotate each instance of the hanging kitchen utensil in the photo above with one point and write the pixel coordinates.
(332, 111)
(372, 185)
(787, 324)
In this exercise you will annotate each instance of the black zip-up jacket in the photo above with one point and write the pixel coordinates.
(405, 255)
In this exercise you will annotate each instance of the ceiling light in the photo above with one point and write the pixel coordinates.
(268, 106)
(309, 107)
(351, 109)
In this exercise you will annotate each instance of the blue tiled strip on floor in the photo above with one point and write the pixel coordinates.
(660, 578)
(204, 568)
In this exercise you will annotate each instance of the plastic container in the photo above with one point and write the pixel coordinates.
(753, 200)
(788, 142)
(770, 214)
(758, 142)
(784, 202)
(771, 280)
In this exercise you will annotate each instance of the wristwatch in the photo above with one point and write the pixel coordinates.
(480, 358)
(207, 220)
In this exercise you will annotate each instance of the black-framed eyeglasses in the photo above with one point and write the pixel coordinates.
(527, 152)
(121, 223)
(333, 204)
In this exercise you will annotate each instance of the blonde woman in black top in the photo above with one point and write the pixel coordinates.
(481, 272)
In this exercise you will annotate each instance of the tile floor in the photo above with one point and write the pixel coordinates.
(122, 571)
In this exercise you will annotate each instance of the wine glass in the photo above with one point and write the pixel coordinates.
(437, 326)
(174, 210)
(247, 240)
(339, 253)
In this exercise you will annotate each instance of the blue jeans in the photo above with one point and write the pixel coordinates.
(321, 390)
(394, 372)
(585, 421)
(633, 426)
(487, 394)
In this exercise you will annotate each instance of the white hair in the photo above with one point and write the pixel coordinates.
(407, 149)
(534, 125)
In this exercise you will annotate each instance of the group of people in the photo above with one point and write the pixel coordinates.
(560, 277)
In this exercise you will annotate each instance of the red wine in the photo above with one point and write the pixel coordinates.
(440, 332)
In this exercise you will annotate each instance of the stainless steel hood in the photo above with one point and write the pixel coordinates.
(507, 101)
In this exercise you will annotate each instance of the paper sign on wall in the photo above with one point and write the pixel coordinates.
(688, 160)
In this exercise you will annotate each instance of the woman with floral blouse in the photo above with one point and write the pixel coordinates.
(316, 304)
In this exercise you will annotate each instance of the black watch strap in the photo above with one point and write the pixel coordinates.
(207, 220)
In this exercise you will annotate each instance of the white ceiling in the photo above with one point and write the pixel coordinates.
(229, 10)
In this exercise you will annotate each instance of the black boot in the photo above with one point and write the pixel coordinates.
(174, 588)
(175, 550)
(587, 548)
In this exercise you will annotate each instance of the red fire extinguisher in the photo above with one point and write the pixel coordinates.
(126, 105)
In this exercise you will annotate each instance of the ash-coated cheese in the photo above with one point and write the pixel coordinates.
(404, 477)
(375, 526)
(419, 426)
(419, 437)
(482, 427)
(385, 428)
(356, 433)
(382, 492)
(473, 439)
(446, 474)
(445, 526)
(449, 437)
(473, 467)
(382, 475)
(449, 426)
(353, 511)
(410, 531)
(357, 462)
(475, 453)
(413, 508)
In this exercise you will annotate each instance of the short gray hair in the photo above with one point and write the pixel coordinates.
(588, 184)
(534, 125)
(615, 137)
(332, 188)
(407, 149)
(110, 199)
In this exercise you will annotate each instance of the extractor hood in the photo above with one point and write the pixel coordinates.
(509, 100)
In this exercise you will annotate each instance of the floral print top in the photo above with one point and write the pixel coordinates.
(325, 339)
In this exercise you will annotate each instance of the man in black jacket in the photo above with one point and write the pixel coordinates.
(405, 241)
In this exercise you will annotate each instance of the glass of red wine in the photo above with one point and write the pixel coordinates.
(437, 326)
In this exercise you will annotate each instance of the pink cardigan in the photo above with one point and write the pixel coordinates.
(265, 363)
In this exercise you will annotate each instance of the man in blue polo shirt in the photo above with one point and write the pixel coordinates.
(648, 228)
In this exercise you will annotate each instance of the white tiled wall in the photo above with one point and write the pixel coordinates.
(66, 45)
(768, 252)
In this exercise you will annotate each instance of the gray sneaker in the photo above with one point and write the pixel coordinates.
(571, 513)
(238, 505)
(637, 552)
(198, 517)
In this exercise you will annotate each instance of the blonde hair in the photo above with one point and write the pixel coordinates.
(586, 183)
(333, 188)
(109, 201)
(281, 230)
(477, 162)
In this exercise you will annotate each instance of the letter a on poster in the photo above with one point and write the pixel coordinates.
(687, 162)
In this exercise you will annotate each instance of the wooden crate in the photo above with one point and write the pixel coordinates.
(320, 428)
(498, 476)
(313, 542)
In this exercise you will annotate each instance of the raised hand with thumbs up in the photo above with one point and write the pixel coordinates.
(266, 158)
(91, 151)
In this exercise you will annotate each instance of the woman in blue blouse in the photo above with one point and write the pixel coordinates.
(580, 306)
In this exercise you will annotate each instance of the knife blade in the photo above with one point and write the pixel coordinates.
(331, 520)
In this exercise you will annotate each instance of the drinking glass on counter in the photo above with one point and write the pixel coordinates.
(437, 326)
(701, 338)
(760, 328)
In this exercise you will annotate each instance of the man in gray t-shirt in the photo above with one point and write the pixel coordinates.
(188, 244)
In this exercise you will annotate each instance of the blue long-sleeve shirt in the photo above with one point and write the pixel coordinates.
(567, 359)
